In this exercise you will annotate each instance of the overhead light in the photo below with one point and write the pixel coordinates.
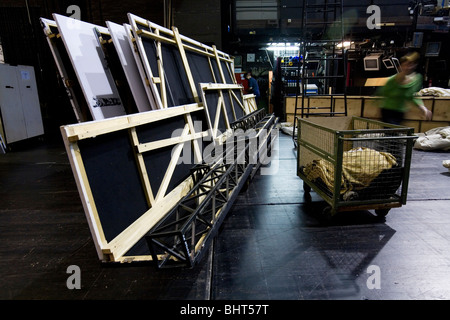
(346, 44)
(280, 46)
(272, 48)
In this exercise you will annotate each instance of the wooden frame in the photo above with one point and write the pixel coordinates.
(171, 60)
(250, 103)
(140, 65)
(132, 171)
(66, 71)
(159, 198)
(224, 104)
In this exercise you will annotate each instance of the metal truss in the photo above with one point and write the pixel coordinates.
(182, 237)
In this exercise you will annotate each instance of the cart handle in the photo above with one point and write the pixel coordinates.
(380, 138)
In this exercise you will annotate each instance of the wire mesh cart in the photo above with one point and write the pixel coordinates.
(354, 163)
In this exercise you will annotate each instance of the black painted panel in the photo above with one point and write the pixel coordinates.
(114, 180)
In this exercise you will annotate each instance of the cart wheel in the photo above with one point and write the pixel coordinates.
(381, 212)
(307, 194)
(306, 187)
(327, 214)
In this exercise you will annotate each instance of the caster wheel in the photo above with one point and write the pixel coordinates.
(381, 212)
(307, 194)
(306, 187)
(327, 215)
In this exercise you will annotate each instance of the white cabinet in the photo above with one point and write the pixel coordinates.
(19, 103)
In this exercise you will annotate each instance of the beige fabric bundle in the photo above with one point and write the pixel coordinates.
(359, 167)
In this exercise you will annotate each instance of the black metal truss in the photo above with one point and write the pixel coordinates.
(250, 121)
(182, 237)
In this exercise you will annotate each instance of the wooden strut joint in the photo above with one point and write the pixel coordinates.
(241, 104)
(94, 128)
(145, 63)
(162, 83)
(176, 152)
(219, 65)
(197, 152)
(142, 168)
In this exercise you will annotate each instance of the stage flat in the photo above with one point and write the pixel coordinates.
(93, 74)
(128, 61)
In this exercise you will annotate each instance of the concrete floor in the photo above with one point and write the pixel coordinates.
(271, 246)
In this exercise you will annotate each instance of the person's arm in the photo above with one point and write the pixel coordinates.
(419, 102)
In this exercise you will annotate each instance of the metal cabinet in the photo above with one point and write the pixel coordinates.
(19, 103)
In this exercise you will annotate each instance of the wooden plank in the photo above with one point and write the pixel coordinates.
(95, 128)
(139, 63)
(186, 64)
(176, 152)
(162, 76)
(222, 76)
(142, 168)
(146, 68)
(149, 146)
(120, 245)
(428, 125)
(87, 199)
(250, 103)
(441, 110)
(197, 152)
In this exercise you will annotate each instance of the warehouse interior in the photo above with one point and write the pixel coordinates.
(89, 211)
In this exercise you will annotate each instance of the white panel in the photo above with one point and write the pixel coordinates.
(30, 101)
(126, 56)
(46, 24)
(95, 78)
(10, 104)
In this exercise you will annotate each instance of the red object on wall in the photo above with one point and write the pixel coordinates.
(240, 79)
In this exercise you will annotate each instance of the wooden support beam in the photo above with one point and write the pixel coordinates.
(142, 168)
(186, 64)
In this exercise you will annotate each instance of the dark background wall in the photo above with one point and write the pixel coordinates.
(211, 22)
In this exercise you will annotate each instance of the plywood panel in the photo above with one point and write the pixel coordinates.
(428, 125)
(416, 124)
(371, 108)
(94, 76)
(353, 106)
(441, 110)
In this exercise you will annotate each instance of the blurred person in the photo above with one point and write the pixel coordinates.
(399, 91)
(253, 86)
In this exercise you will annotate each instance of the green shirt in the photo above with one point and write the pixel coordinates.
(396, 95)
